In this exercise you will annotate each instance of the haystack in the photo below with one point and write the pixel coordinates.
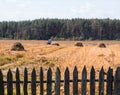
(56, 44)
(101, 45)
(79, 44)
(17, 47)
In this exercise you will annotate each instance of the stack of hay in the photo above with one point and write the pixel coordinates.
(79, 44)
(56, 44)
(17, 47)
(101, 45)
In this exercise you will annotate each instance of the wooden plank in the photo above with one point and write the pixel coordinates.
(1, 84)
(101, 82)
(17, 82)
(92, 81)
(49, 82)
(84, 81)
(9, 83)
(57, 82)
(117, 82)
(109, 87)
(75, 81)
(33, 82)
(66, 82)
(41, 81)
(25, 82)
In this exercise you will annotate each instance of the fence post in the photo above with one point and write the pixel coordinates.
(109, 87)
(57, 82)
(66, 82)
(101, 82)
(49, 82)
(92, 81)
(33, 82)
(25, 82)
(17, 82)
(9, 83)
(1, 83)
(117, 82)
(84, 80)
(41, 81)
(75, 81)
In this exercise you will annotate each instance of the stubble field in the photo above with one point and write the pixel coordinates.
(38, 53)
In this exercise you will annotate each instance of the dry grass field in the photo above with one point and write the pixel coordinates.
(38, 53)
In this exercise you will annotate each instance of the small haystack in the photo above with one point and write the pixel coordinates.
(79, 44)
(56, 44)
(102, 45)
(17, 47)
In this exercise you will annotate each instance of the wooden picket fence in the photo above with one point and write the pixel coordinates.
(112, 82)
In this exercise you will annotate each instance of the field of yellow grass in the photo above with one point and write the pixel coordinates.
(38, 53)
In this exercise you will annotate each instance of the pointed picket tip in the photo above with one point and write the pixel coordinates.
(0, 71)
(9, 72)
(1, 74)
(25, 69)
(102, 69)
(33, 71)
(57, 69)
(117, 72)
(41, 70)
(84, 70)
(49, 69)
(66, 70)
(17, 69)
(75, 68)
(110, 69)
(92, 70)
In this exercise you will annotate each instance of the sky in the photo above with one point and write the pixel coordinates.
(18, 10)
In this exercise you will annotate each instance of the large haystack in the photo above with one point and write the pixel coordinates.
(101, 45)
(17, 47)
(79, 44)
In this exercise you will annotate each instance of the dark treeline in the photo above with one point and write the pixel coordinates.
(73, 29)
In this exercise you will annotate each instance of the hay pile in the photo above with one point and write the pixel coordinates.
(17, 47)
(56, 44)
(79, 44)
(101, 45)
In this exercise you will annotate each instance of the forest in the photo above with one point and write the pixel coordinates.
(61, 29)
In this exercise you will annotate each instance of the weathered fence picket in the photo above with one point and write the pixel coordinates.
(117, 82)
(75, 81)
(17, 82)
(109, 87)
(9, 83)
(84, 81)
(66, 82)
(25, 82)
(109, 83)
(49, 82)
(92, 81)
(1, 83)
(41, 81)
(33, 82)
(101, 82)
(57, 82)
